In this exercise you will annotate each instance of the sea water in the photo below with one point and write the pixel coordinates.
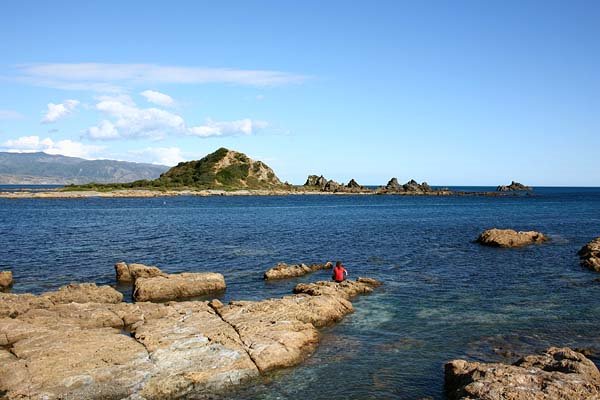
(444, 296)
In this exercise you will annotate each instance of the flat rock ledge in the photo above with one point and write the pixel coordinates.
(559, 373)
(509, 238)
(147, 351)
(590, 255)
(130, 272)
(284, 271)
(6, 279)
(178, 286)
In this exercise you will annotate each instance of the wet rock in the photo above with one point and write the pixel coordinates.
(513, 187)
(590, 255)
(559, 373)
(129, 272)
(177, 286)
(508, 238)
(84, 293)
(6, 279)
(346, 289)
(283, 270)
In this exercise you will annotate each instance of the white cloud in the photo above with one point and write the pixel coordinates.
(130, 121)
(29, 144)
(59, 111)
(227, 128)
(158, 98)
(109, 77)
(159, 155)
(10, 114)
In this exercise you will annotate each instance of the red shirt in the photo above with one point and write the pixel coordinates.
(338, 273)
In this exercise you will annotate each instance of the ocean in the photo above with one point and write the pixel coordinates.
(444, 296)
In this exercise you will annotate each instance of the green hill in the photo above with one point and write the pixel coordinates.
(224, 169)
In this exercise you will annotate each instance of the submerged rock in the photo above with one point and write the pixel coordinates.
(509, 238)
(6, 279)
(177, 286)
(129, 272)
(559, 373)
(513, 187)
(590, 255)
(155, 351)
(283, 270)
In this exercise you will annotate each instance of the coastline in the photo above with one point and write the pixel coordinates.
(144, 193)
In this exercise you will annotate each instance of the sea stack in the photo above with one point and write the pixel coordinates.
(590, 255)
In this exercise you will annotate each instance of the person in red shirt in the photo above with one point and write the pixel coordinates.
(339, 272)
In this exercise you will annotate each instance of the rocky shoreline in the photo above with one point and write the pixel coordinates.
(82, 341)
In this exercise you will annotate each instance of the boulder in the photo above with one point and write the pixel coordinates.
(590, 255)
(177, 286)
(6, 279)
(155, 351)
(346, 289)
(283, 270)
(513, 187)
(559, 373)
(129, 272)
(508, 238)
(84, 293)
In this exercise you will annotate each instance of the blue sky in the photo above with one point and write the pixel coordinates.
(453, 93)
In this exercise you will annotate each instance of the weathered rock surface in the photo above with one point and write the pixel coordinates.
(84, 293)
(129, 272)
(150, 351)
(559, 373)
(513, 187)
(590, 255)
(283, 270)
(177, 286)
(353, 185)
(6, 279)
(509, 238)
(346, 289)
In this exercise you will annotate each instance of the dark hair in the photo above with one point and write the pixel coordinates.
(338, 263)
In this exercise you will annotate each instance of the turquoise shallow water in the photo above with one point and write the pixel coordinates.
(444, 296)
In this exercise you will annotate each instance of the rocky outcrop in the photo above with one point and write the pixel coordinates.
(332, 186)
(84, 293)
(354, 185)
(559, 373)
(151, 351)
(509, 238)
(346, 289)
(129, 272)
(590, 255)
(315, 181)
(283, 270)
(411, 187)
(177, 286)
(6, 279)
(513, 187)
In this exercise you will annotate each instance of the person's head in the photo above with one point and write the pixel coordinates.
(338, 263)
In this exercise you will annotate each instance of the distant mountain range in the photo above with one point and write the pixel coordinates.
(42, 168)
